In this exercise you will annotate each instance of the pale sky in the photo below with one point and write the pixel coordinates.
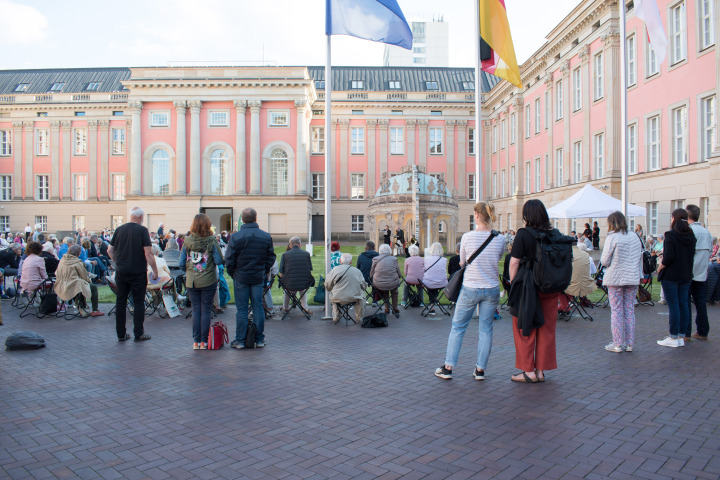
(99, 33)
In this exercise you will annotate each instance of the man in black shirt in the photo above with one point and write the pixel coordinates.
(131, 250)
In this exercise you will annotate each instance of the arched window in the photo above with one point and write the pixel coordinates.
(279, 172)
(160, 173)
(218, 173)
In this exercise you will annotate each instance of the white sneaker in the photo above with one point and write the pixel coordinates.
(670, 342)
(628, 348)
(662, 302)
(681, 342)
(611, 347)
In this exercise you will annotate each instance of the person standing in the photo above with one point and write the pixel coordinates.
(386, 235)
(28, 232)
(480, 288)
(698, 285)
(676, 273)
(161, 230)
(622, 257)
(596, 236)
(200, 257)
(249, 257)
(131, 250)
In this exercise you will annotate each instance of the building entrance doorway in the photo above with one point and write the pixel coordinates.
(221, 218)
(318, 228)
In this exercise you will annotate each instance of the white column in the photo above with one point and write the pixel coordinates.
(92, 159)
(29, 153)
(301, 148)
(180, 149)
(17, 156)
(195, 107)
(66, 126)
(55, 160)
(255, 146)
(104, 160)
(136, 149)
(240, 154)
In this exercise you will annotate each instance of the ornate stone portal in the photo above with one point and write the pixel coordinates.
(394, 205)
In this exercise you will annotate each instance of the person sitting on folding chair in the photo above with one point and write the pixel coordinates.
(346, 285)
(32, 269)
(414, 267)
(581, 282)
(435, 274)
(386, 276)
(164, 276)
(295, 273)
(71, 279)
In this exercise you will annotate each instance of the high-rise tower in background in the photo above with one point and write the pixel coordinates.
(430, 46)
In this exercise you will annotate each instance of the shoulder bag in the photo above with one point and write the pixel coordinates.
(452, 290)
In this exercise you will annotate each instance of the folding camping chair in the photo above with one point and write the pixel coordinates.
(646, 283)
(575, 305)
(34, 298)
(268, 286)
(382, 297)
(70, 309)
(295, 296)
(154, 299)
(604, 300)
(434, 297)
(343, 310)
(415, 295)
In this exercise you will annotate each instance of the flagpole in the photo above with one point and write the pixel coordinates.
(623, 110)
(328, 182)
(478, 105)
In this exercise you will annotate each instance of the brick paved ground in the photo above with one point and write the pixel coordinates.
(326, 401)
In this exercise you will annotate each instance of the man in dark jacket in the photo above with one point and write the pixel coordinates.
(9, 260)
(248, 258)
(364, 261)
(295, 272)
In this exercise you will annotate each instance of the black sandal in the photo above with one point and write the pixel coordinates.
(526, 379)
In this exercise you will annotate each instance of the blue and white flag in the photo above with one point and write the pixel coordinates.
(376, 20)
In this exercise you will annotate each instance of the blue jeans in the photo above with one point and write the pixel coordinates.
(253, 294)
(470, 298)
(201, 299)
(677, 296)
(223, 289)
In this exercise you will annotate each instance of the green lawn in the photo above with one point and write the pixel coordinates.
(318, 263)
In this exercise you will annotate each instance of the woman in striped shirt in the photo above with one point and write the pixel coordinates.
(480, 288)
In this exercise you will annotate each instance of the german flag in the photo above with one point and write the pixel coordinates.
(496, 47)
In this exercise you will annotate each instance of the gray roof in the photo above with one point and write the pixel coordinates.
(412, 79)
(76, 80)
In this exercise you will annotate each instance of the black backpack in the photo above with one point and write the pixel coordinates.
(24, 341)
(552, 265)
(649, 263)
(48, 303)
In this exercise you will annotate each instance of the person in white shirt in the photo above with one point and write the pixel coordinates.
(698, 286)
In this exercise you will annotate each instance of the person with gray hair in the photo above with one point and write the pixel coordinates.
(346, 285)
(72, 279)
(67, 243)
(414, 270)
(295, 272)
(386, 276)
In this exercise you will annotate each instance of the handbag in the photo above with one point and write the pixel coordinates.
(48, 303)
(218, 336)
(251, 335)
(376, 320)
(452, 290)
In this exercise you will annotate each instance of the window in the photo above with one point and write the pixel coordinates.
(679, 122)
(559, 167)
(318, 186)
(678, 40)
(513, 128)
(471, 187)
(396, 141)
(577, 162)
(118, 141)
(160, 173)
(599, 155)
(118, 183)
(219, 119)
(394, 85)
(512, 180)
(81, 187)
(218, 173)
(653, 143)
(494, 185)
(356, 84)
(57, 87)
(5, 142)
(632, 148)
(577, 89)
(22, 87)
(358, 141)
(357, 223)
(538, 115)
(598, 85)
(528, 120)
(431, 86)
(708, 127)
(503, 135)
(418, 30)
(4, 223)
(559, 100)
(468, 85)
(278, 119)
(93, 86)
(651, 64)
(78, 222)
(472, 222)
(471, 141)
(79, 114)
(116, 221)
(396, 112)
(41, 142)
(319, 84)
(159, 119)
(707, 25)
(675, 204)
(279, 172)
(318, 139)
(42, 221)
(419, 60)
(494, 138)
(436, 147)
(5, 187)
(435, 112)
(630, 68)
(42, 188)
(358, 112)
(503, 182)
(118, 113)
(357, 186)
(42, 114)
(538, 177)
(528, 178)
(80, 135)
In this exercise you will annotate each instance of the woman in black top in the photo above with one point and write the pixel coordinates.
(596, 236)
(535, 353)
(454, 262)
(676, 272)
(587, 231)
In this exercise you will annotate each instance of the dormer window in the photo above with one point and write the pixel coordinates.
(468, 85)
(394, 85)
(319, 84)
(22, 87)
(92, 86)
(57, 87)
(357, 85)
(431, 86)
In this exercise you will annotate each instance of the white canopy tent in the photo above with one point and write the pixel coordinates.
(590, 202)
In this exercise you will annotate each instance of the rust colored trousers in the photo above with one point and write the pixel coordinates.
(538, 350)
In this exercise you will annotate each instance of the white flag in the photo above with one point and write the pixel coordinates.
(648, 12)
